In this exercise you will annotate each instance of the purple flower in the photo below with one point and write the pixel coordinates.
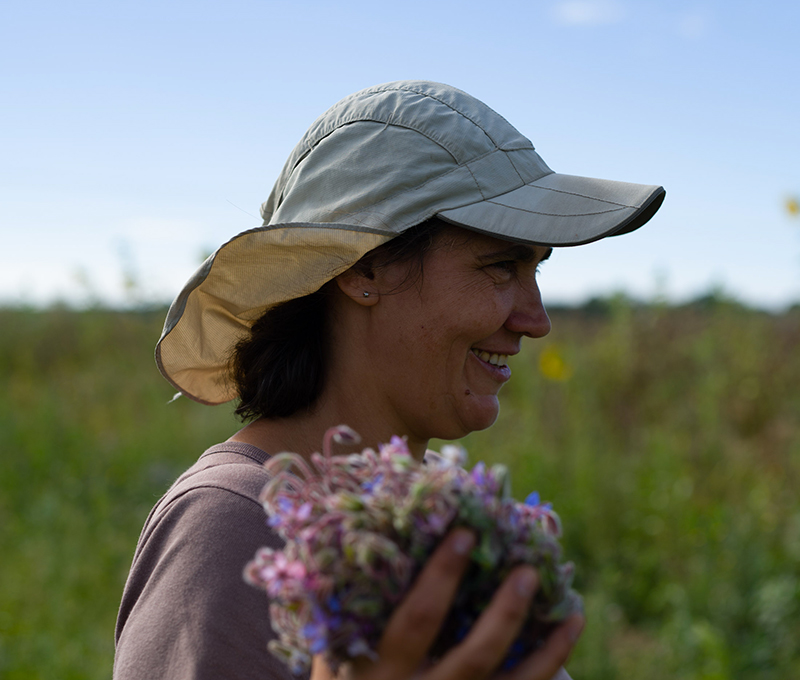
(479, 474)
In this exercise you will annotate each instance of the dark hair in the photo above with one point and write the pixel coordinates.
(279, 368)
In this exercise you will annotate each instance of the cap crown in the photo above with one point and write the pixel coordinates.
(394, 155)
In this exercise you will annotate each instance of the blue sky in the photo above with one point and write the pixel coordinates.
(137, 136)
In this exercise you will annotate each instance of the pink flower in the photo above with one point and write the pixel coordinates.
(274, 571)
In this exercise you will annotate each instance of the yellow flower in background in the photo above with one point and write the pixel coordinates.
(552, 364)
(793, 207)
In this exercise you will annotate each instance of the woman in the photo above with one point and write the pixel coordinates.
(394, 275)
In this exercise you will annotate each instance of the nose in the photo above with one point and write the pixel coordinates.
(528, 315)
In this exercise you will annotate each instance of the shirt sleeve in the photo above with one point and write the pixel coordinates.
(187, 613)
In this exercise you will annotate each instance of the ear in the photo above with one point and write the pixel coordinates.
(359, 287)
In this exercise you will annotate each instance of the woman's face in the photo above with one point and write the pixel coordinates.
(438, 347)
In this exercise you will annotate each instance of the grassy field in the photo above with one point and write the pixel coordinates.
(667, 438)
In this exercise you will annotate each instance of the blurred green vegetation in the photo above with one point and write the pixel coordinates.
(668, 439)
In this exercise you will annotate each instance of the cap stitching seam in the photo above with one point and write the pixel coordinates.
(374, 119)
(442, 102)
(438, 177)
(537, 212)
(449, 106)
(415, 188)
(519, 174)
(472, 174)
(573, 193)
(452, 108)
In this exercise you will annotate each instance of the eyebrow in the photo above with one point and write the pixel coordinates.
(518, 251)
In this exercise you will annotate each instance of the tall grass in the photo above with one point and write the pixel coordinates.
(88, 444)
(667, 438)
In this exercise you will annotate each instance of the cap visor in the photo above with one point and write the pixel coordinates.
(562, 210)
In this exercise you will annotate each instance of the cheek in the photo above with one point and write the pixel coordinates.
(482, 316)
(466, 323)
(435, 336)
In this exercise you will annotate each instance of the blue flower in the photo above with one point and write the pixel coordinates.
(533, 499)
(370, 484)
(316, 633)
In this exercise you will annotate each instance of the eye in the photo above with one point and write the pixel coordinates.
(507, 266)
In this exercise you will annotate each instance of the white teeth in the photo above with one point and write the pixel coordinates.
(494, 359)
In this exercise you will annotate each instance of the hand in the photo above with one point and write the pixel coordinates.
(411, 631)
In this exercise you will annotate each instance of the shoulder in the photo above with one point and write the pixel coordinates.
(185, 604)
(217, 499)
(234, 467)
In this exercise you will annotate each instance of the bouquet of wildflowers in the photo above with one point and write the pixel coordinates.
(360, 527)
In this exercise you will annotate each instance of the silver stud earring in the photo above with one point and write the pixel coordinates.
(366, 294)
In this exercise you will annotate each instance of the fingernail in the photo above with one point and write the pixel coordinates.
(574, 629)
(525, 582)
(463, 542)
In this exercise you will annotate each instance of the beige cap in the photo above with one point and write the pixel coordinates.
(377, 163)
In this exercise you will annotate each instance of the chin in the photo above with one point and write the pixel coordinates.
(480, 415)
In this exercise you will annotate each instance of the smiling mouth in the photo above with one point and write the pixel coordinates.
(493, 359)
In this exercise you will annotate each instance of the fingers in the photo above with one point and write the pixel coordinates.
(320, 669)
(484, 649)
(546, 661)
(416, 622)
